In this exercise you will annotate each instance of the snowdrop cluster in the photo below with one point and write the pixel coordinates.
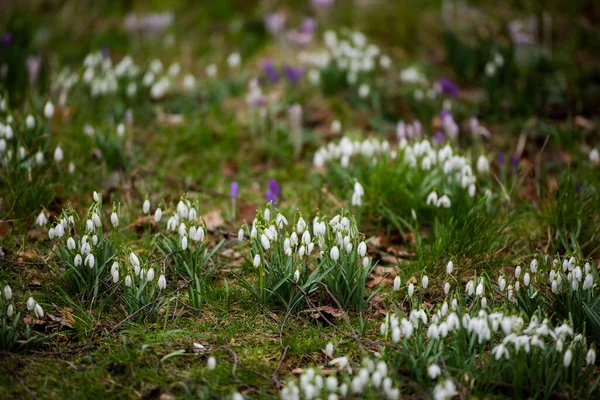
(372, 378)
(185, 222)
(347, 148)
(492, 66)
(7, 307)
(350, 52)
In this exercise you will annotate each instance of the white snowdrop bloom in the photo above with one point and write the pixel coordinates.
(211, 364)
(336, 126)
(432, 199)
(501, 283)
(134, 260)
(30, 303)
(30, 122)
(114, 219)
(470, 288)
(95, 240)
(364, 90)
(184, 243)
(90, 260)
(301, 251)
(425, 282)
(567, 358)
(211, 70)
(411, 290)
(162, 282)
(38, 311)
(189, 82)
(182, 230)
(78, 260)
(58, 154)
(266, 244)
(71, 167)
(120, 130)
(366, 261)
(533, 266)
(444, 202)
(10, 310)
(146, 206)
(2, 145)
(434, 371)
(41, 219)
(39, 158)
(446, 288)
(240, 236)
(449, 267)
(297, 275)
(385, 62)
(526, 279)
(267, 214)
(329, 349)
(256, 261)
(7, 293)
(588, 283)
(490, 69)
(157, 215)
(517, 271)
(483, 165)
(51, 233)
(128, 281)
(590, 357)
(71, 244)
(594, 156)
(334, 253)
(115, 275)
(253, 233)
(150, 275)
(362, 249)
(156, 66)
(234, 60)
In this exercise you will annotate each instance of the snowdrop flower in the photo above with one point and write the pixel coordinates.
(266, 244)
(397, 283)
(30, 303)
(501, 283)
(114, 219)
(594, 156)
(115, 275)
(568, 357)
(334, 253)
(364, 90)
(240, 236)
(78, 260)
(30, 122)
(184, 242)
(71, 244)
(444, 201)
(41, 219)
(234, 60)
(211, 364)
(483, 165)
(150, 275)
(329, 349)
(533, 266)
(146, 206)
(9, 310)
(434, 371)
(134, 260)
(336, 126)
(449, 267)
(7, 293)
(588, 283)
(58, 154)
(162, 282)
(51, 233)
(128, 281)
(96, 220)
(38, 311)
(526, 279)
(48, 110)
(432, 199)
(157, 215)
(425, 282)
(517, 271)
(446, 288)
(89, 260)
(256, 260)
(297, 275)
(590, 357)
(362, 249)
(444, 390)
(411, 290)
(470, 288)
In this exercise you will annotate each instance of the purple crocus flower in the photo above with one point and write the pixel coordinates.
(438, 137)
(6, 38)
(444, 113)
(501, 158)
(274, 187)
(234, 190)
(293, 74)
(448, 87)
(514, 162)
(308, 26)
(270, 71)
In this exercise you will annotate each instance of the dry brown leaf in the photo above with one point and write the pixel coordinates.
(28, 320)
(37, 233)
(326, 312)
(61, 320)
(213, 219)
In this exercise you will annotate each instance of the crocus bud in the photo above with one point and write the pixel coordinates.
(162, 282)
